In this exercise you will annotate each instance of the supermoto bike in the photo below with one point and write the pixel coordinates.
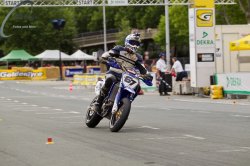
(116, 106)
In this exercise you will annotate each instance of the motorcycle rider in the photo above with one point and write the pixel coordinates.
(125, 56)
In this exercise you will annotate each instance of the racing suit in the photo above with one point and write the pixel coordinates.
(125, 58)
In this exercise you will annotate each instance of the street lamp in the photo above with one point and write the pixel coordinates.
(59, 24)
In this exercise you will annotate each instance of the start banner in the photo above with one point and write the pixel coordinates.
(23, 74)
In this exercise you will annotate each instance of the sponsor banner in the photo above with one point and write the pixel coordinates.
(70, 72)
(204, 18)
(234, 83)
(23, 74)
(87, 79)
(117, 2)
(202, 45)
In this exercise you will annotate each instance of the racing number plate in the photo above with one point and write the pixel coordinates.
(130, 81)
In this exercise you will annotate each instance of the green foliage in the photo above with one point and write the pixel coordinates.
(32, 30)
(125, 30)
(178, 20)
(230, 14)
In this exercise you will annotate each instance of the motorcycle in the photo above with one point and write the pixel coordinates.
(117, 104)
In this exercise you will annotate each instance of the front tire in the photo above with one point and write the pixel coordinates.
(119, 118)
(92, 119)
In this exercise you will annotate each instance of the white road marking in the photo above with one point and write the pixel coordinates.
(34, 105)
(233, 150)
(67, 117)
(195, 137)
(9, 99)
(70, 112)
(241, 116)
(57, 109)
(156, 138)
(45, 107)
(208, 101)
(134, 139)
(24, 103)
(149, 127)
(28, 110)
(203, 112)
(16, 101)
(161, 138)
(2, 97)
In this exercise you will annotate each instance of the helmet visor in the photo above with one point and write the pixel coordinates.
(134, 43)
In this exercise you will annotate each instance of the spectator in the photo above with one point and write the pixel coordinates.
(147, 62)
(178, 69)
(161, 74)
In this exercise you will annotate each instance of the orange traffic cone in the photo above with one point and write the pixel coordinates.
(70, 87)
(49, 141)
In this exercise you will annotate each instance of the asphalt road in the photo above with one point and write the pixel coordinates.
(166, 131)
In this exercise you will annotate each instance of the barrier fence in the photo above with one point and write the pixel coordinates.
(87, 79)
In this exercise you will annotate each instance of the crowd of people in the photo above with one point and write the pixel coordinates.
(163, 72)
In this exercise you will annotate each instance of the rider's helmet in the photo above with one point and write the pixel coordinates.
(132, 42)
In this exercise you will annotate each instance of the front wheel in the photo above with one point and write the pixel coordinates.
(92, 119)
(119, 118)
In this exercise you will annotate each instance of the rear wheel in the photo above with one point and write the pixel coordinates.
(119, 118)
(92, 119)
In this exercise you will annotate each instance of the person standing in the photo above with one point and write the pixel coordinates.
(147, 62)
(178, 69)
(161, 74)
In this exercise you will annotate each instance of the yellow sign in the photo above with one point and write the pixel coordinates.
(23, 74)
(204, 18)
(203, 3)
(87, 79)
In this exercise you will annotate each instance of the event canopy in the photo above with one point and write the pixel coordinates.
(18, 55)
(53, 55)
(79, 55)
(241, 44)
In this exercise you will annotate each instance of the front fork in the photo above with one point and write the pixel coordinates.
(118, 96)
(116, 102)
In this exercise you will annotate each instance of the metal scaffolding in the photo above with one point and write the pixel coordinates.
(104, 3)
(85, 3)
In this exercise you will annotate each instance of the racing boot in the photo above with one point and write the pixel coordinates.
(99, 101)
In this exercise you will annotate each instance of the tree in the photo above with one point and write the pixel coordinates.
(178, 20)
(125, 30)
(230, 14)
(32, 30)
(245, 7)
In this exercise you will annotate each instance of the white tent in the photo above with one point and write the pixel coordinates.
(53, 55)
(79, 55)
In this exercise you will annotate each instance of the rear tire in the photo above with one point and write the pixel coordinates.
(92, 119)
(118, 119)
